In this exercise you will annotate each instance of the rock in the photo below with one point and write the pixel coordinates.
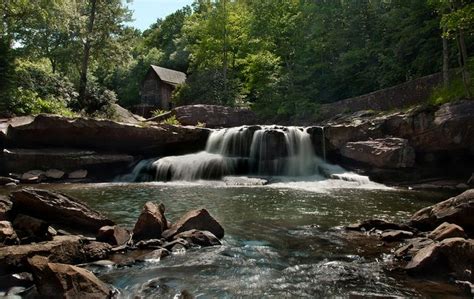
(5, 208)
(177, 244)
(338, 134)
(200, 238)
(7, 180)
(395, 235)
(94, 251)
(66, 281)
(377, 224)
(151, 222)
(215, 116)
(196, 219)
(7, 234)
(147, 244)
(114, 235)
(30, 229)
(19, 160)
(414, 245)
(447, 230)
(11, 185)
(52, 131)
(123, 115)
(454, 256)
(58, 208)
(155, 255)
(33, 176)
(458, 210)
(54, 174)
(383, 153)
(77, 174)
(62, 249)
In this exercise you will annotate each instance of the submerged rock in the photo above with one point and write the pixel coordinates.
(58, 208)
(66, 281)
(151, 222)
(196, 219)
(458, 210)
(395, 235)
(447, 230)
(384, 152)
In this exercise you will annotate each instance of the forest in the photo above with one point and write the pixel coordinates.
(281, 58)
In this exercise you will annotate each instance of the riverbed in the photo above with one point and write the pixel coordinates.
(282, 240)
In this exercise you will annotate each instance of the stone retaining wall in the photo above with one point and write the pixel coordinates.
(403, 95)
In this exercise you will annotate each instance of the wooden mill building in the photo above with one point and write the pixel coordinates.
(157, 88)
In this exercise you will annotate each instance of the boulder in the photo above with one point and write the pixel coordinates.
(151, 222)
(196, 219)
(215, 116)
(114, 235)
(58, 208)
(20, 160)
(124, 116)
(383, 153)
(33, 176)
(457, 210)
(5, 208)
(62, 249)
(52, 131)
(54, 280)
(77, 174)
(8, 235)
(30, 229)
(447, 230)
(199, 238)
(338, 134)
(453, 256)
(54, 174)
(395, 235)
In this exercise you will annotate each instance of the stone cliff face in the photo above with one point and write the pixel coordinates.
(438, 140)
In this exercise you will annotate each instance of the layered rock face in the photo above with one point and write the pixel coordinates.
(423, 137)
(67, 144)
(214, 116)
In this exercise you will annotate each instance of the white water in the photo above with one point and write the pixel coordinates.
(283, 154)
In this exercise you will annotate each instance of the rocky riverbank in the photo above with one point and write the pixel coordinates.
(47, 238)
(436, 242)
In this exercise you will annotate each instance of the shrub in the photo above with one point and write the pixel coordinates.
(171, 121)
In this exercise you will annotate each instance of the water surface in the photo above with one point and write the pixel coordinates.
(280, 241)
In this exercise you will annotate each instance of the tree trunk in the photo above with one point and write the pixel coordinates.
(86, 54)
(445, 62)
(465, 72)
(225, 50)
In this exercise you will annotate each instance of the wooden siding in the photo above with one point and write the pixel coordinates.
(155, 92)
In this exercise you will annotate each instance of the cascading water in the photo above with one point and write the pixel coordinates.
(247, 150)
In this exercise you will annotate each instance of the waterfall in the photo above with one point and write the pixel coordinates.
(323, 142)
(247, 150)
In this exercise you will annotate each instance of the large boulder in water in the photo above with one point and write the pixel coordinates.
(58, 208)
(113, 235)
(215, 116)
(384, 152)
(49, 131)
(450, 256)
(54, 280)
(458, 210)
(151, 222)
(196, 219)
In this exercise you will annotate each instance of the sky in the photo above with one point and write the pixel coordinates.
(146, 12)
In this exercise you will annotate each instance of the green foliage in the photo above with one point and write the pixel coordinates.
(26, 101)
(158, 112)
(452, 93)
(171, 121)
